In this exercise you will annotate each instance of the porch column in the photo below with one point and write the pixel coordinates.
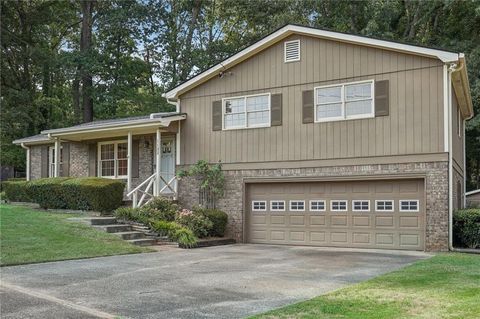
(27, 150)
(158, 162)
(57, 158)
(129, 162)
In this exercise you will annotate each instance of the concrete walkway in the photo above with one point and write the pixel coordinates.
(217, 282)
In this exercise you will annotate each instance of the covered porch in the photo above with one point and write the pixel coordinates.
(143, 151)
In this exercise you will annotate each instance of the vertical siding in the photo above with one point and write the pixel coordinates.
(414, 126)
(457, 141)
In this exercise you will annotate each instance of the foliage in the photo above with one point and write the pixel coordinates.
(31, 236)
(466, 228)
(89, 193)
(218, 218)
(175, 232)
(211, 177)
(162, 208)
(199, 224)
(10, 180)
(16, 191)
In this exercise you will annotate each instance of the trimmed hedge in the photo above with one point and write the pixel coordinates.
(86, 193)
(466, 228)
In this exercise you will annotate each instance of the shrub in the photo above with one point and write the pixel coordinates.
(218, 218)
(89, 193)
(162, 209)
(466, 228)
(196, 222)
(13, 179)
(16, 191)
(126, 213)
(175, 232)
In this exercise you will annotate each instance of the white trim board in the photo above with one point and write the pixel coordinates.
(444, 56)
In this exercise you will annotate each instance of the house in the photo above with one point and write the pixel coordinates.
(325, 139)
(473, 198)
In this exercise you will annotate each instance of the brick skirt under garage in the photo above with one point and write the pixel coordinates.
(433, 174)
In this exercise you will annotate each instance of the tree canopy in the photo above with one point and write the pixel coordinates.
(64, 62)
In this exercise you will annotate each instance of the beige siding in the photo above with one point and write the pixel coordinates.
(415, 123)
(457, 140)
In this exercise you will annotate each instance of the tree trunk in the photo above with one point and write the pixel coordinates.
(85, 45)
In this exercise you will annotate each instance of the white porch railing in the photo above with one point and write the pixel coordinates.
(146, 191)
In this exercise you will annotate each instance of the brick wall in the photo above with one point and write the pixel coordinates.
(35, 162)
(436, 185)
(78, 160)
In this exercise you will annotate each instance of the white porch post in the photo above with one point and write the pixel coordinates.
(129, 162)
(27, 149)
(158, 162)
(57, 158)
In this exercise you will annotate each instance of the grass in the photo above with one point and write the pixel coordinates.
(444, 286)
(31, 236)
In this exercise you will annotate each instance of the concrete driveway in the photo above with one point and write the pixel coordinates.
(217, 282)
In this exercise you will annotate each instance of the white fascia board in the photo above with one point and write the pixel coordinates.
(444, 56)
(472, 192)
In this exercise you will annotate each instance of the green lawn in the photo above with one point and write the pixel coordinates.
(445, 286)
(29, 236)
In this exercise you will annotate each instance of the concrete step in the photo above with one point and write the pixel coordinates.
(102, 221)
(126, 235)
(115, 228)
(142, 241)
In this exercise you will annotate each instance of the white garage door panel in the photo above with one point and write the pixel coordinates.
(362, 229)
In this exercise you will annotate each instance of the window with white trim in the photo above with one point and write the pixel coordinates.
(361, 205)
(384, 205)
(112, 159)
(409, 205)
(51, 161)
(292, 51)
(317, 205)
(259, 205)
(297, 205)
(344, 101)
(338, 205)
(277, 205)
(246, 111)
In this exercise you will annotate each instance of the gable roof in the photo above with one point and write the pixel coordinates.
(443, 55)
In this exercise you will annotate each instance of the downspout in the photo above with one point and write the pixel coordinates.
(27, 173)
(450, 69)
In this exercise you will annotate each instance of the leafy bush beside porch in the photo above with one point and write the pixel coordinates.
(466, 228)
(85, 193)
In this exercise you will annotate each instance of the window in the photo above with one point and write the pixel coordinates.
(409, 205)
(112, 159)
(338, 205)
(51, 161)
(277, 205)
(384, 205)
(297, 205)
(361, 205)
(259, 205)
(345, 101)
(246, 111)
(317, 205)
(292, 51)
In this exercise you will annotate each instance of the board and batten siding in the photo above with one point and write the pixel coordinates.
(414, 125)
(457, 141)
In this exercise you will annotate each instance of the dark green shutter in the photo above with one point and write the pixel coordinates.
(217, 116)
(307, 107)
(66, 160)
(92, 159)
(44, 166)
(276, 109)
(381, 98)
(135, 158)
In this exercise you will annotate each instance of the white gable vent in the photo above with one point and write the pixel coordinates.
(292, 51)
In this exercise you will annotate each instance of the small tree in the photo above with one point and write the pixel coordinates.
(212, 181)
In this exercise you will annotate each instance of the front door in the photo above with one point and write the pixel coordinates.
(167, 167)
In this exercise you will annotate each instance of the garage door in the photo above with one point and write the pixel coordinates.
(386, 214)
